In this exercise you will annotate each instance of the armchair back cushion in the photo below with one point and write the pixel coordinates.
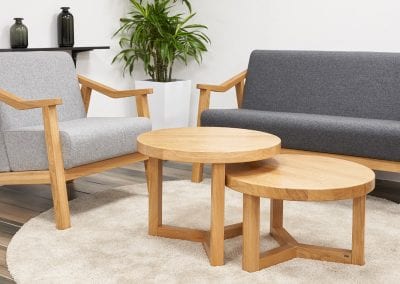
(351, 84)
(37, 75)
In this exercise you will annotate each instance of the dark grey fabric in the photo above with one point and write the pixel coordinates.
(362, 137)
(354, 84)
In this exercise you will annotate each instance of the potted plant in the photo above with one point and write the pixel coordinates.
(158, 38)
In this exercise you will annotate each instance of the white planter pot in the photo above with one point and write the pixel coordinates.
(169, 104)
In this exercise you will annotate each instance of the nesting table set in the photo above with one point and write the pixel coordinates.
(248, 161)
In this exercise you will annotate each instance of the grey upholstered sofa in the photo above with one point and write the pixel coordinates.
(343, 103)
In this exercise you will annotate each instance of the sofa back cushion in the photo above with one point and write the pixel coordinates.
(354, 84)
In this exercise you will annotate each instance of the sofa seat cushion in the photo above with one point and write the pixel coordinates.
(362, 137)
(83, 141)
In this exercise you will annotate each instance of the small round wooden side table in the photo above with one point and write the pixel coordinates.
(214, 145)
(300, 178)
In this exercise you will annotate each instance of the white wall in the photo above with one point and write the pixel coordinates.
(235, 27)
(95, 22)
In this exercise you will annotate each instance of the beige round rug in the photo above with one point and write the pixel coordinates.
(108, 242)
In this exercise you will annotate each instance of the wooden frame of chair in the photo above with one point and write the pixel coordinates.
(238, 82)
(56, 175)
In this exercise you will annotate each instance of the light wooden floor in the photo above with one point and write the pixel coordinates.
(20, 203)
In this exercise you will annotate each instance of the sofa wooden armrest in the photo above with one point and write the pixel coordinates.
(225, 86)
(87, 85)
(236, 81)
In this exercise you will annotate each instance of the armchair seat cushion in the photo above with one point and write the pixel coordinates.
(372, 138)
(83, 141)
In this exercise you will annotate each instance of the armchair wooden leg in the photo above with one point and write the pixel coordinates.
(197, 172)
(56, 168)
(70, 189)
(60, 201)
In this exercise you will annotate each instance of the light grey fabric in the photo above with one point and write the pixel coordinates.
(362, 137)
(353, 84)
(4, 165)
(37, 75)
(83, 141)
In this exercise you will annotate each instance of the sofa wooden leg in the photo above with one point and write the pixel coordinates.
(197, 172)
(146, 171)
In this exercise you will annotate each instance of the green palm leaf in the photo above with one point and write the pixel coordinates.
(157, 37)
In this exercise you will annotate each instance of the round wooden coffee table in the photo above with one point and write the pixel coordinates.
(301, 178)
(214, 145)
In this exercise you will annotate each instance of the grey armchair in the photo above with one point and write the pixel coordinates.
(45, 135)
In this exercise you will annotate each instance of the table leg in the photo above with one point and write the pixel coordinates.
(276, 214)
(197, 172)
(216, 249)
(154, 167)
(357, 252)
(251, 233)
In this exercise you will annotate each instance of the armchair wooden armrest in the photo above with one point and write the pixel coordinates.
(22, 104)
(54, 154)
(205, 91)
(110, 92)
(140, 94)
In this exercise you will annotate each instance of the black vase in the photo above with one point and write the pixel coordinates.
(18, 34)
(65, 24)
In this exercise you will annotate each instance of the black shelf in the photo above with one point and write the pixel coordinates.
(73, 50)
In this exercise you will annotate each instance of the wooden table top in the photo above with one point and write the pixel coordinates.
(302, 178)
(209, 145)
